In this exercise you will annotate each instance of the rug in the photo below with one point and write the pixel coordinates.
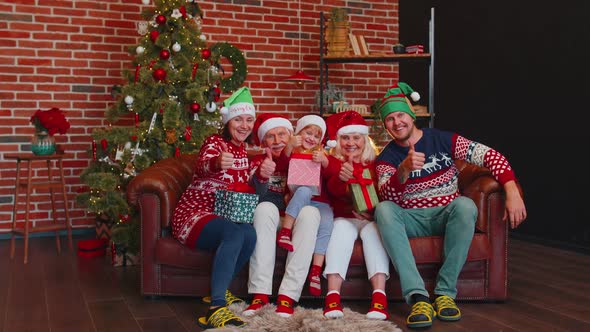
(308, 320)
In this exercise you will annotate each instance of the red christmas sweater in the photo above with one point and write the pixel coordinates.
(195, 207)
(338, 191)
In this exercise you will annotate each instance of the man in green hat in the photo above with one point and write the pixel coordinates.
(418, 189)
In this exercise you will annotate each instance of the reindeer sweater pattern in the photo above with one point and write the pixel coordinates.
(436, 184)
(195, 207)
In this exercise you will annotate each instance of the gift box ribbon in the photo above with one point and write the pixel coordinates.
(241, 188)
(302, 156)
(357, 178)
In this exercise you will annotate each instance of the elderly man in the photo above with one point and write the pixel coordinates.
(273, 131)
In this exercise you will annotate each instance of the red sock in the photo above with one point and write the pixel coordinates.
(284, 239)
(258, 302)
(378, 308)
(284, 306)
(315, 286)
(332, 306)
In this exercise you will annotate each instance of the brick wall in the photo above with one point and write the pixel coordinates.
(68, 54)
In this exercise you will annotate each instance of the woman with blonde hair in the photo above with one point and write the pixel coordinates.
(353, 152)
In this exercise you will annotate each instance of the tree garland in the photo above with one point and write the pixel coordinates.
(236, 58)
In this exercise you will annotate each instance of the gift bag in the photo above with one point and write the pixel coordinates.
(364, 195)
(237, 203)
(304, 172)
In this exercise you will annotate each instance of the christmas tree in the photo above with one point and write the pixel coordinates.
(170, 106)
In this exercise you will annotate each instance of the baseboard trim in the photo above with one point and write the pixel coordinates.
(75, 231)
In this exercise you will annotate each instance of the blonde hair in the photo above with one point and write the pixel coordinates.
(368, 155)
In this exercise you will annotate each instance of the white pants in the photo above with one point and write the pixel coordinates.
(341, 244)
(262, 262)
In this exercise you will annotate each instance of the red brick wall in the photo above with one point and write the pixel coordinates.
(68, 54)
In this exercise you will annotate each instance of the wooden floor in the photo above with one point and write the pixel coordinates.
(550, 291)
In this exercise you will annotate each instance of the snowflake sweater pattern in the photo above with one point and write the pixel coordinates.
(436, 184)
(195, 207)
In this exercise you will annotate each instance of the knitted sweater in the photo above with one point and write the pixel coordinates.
(436, 184)
(195, 207)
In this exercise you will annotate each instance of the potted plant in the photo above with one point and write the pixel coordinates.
(331, 98)
(337, 32)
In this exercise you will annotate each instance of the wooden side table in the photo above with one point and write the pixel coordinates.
(26, 185)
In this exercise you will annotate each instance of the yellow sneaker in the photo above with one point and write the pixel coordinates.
(446, 309)
(421, 316)
(229, 299)
(220, 317)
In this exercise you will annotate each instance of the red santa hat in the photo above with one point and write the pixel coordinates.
(267, 121)
(311, 120)
(345, 123)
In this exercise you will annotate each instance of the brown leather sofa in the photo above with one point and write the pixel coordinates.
(168, 268)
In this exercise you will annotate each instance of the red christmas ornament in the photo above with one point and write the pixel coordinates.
(216, 94)
(104, 144)
(177, 152)
(164, 54)
(195, 108)
(136, 120)
(160, 19)
(188, 132)
(154, 35)
(137, 68)
(206, 53)
(134, 138)
(159, 75)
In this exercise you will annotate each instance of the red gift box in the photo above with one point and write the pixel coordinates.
(304, 172)
(92, 248)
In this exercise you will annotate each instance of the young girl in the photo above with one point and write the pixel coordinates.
(352, 154)
(309, 134)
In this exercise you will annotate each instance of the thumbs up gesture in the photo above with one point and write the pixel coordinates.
(296, 141)
(346, 170)
(226, 159)
(319, 156)
(413, 161)
(267, 167)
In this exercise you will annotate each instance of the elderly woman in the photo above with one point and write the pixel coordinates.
(222, 161)
(353, 152)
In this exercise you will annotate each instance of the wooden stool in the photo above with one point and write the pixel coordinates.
(29, 184)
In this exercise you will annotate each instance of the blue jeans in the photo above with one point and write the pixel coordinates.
(456, 222)
(301, 198)
(233, 245)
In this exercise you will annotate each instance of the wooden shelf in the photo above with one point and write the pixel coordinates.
(378, 57)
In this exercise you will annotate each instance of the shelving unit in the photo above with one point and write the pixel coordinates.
(325, 61)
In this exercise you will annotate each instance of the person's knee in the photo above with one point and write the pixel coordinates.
(309, 216)
(386, 212)
(266, 215)
(369, 232)
(303, 192)
(465, 206)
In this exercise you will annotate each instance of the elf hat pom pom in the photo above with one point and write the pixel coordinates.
(345, 123)
(267, 121)
(239, 103)
(395, 100)
(311, 120)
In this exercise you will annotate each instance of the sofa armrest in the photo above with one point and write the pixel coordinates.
(167, 179)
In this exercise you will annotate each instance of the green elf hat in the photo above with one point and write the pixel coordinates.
(395, 100)
(239, 103)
